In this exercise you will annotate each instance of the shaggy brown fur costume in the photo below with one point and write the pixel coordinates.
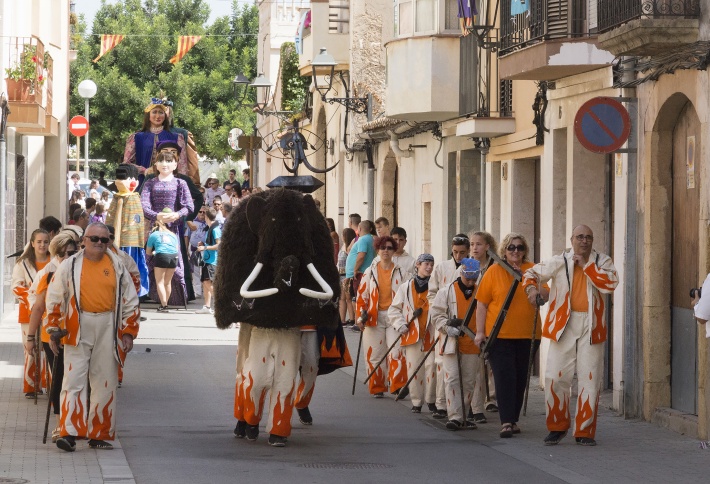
(283, 230)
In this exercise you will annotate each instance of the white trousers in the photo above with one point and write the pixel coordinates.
(574, 352)
(396, 360)
(93, 356)
(29, 375)
(440, 380)
(310, 356)
(423, 386)
(473, 385)
(374, 343)
(271, 366)
(243, 338)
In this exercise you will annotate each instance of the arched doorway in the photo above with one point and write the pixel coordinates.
(390, 182)
(321, 160)
(672, 262)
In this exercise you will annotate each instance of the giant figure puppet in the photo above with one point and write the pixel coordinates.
(275, 274)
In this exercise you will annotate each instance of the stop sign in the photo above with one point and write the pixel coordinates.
(78, 125)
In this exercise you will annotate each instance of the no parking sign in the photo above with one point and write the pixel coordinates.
(602, 125)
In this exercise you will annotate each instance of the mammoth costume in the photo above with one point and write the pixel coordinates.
(275, 274)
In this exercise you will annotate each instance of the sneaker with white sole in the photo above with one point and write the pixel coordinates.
(205, 310)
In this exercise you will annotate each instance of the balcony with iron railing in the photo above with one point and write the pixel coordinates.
(647, 27)
(551, 40)
(28, 77)
(327, 25)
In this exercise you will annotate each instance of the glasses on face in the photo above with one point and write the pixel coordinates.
(389, 247)
(514, 248)
(96, 238)
(201, 212)
(582, 238)
(71, 252)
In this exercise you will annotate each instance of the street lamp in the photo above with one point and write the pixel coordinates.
(262, 85)
(324, 64)
(87, 90)
(240, 83)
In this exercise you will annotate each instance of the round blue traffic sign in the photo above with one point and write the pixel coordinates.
(602, 125)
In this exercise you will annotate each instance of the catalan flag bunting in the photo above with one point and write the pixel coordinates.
(185, 43)
(108, 42)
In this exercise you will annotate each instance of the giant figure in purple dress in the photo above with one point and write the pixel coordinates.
(166, 190)
(141, 146)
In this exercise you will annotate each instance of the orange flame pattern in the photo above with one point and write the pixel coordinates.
(281, 415)
(377, 382)
(102, 423)
(558, 418)
(397, 372)
(252, 410)
(603, 281)
(22, 293)
(585, 421)
(556, 319)
(77, 419)
(599, 322)
(239, 398)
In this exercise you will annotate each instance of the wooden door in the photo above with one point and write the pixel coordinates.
(685, 264)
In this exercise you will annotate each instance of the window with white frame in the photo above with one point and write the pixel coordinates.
(425, 16)
(422, 17)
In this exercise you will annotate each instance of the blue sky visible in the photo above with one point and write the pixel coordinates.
(218, 8)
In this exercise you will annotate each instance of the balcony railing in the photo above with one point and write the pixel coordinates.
(545, 20)
(612, 13)
(28, 75)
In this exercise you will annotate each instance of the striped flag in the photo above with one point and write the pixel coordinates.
(108, 42)
(185, 43)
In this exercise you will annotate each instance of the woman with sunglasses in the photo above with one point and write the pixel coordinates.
(377, 289)
(33, 259)
(510, 354)
(63, 245)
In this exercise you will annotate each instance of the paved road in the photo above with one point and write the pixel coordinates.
(175, 425)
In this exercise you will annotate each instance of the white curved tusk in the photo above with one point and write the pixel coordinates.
(246, 293)
(327, 291)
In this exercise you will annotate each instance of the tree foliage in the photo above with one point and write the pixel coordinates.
(294, 87)
(200, 84)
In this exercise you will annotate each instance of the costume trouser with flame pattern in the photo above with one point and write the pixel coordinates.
(396, 361)
(93, 356)
(423, 386)
(473, 386)
(574, 351)
(374, 342)
(242, 352)
(310, 356)
(29, 368)
(271, 366)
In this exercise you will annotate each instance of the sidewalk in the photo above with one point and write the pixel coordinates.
(23, 457)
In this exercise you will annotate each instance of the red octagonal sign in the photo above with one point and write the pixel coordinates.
(78, 125)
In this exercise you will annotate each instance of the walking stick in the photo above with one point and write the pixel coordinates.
(363, 314)
(464, 411)
(530, 358)
(38, 360)
(485, 379)
(416, 314)
(419, 367)
(51, 388)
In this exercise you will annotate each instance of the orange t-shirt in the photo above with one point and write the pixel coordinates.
(466, 344)
(578, 297)
(40, 265)
(492, 291)
(98, 285)
(384, 280)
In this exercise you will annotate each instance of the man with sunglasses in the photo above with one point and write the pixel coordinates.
(576, 327)
(92, 296)
(444, 273)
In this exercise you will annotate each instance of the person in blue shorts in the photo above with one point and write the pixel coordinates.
(163, 244)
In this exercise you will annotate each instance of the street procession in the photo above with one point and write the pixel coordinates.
(405, 241)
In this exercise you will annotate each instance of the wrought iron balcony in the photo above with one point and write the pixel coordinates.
(613, 13)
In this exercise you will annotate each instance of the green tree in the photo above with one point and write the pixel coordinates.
(200, 84)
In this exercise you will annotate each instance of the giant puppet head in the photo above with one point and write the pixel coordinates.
(275, 267)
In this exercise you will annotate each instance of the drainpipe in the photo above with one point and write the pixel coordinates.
(394, 144)
(482, 220)
(370, 167)
(4, 110)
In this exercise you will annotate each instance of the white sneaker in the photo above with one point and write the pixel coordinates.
(205, 310)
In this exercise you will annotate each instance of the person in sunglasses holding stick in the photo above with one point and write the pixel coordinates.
(93, 298)
(576, 327)
(510, 355)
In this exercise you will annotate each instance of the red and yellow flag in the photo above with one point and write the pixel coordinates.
(108, 42)
(185, 43)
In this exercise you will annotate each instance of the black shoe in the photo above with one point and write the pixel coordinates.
(163, 309)
(402, 393)
(277, 440)
(304, 415)
(439, 414)
(554, 437)
(416, 409)
(432, 407)
(67, 443)
(470, 414)
(506, 431)
(585, 441)
(491, 407)
(31, 395)
(120, 383)
(240, 431)
(251, 432)
(478, 418)
(143, 318)
(349, 322)
(355, 328)
(100, 444)
(379, 395)
(454, 425)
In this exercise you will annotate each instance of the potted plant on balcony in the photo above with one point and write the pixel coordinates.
(24, 79)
